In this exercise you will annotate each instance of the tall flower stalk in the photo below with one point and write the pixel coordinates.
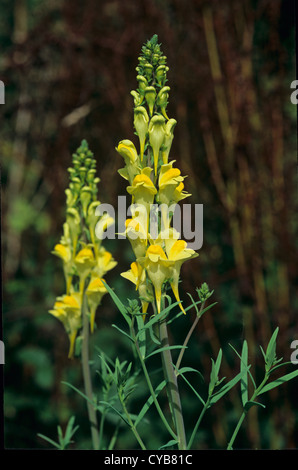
(154, 182)
(85, 262)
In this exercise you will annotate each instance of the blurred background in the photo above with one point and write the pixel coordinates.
(68, 69)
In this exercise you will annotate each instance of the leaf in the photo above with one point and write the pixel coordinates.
(278, 382)
(50, 441)
(123, 332)
(215, 371)
(189, 384)
(169, 444)
(160, 316)
(243, 370)
(114, 409)
(118, 302)
(149, 402)
(159, 350)
(271, 349)
(251, 403)
(226, 388)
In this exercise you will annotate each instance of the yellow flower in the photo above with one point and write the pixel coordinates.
(142, 188)
(95, 292)
(104, 263)
(177, 252)
(156, 136)
(136, 274)
(84, 262)
(63, 252)
(157, 266)
(137, 235)
(68, 310)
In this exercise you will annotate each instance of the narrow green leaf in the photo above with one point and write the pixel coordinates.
(279, 381)
(243, 370)
(123, 332)
(251, 403)
(149, 402)
(118, 302)
(189, 384)
(226, 388)
(169, 444)
(115, 410)
(189, 369)
(50, 441)
(271, 349)
(159, 350)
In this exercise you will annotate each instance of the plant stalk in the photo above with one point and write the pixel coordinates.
(173, 391)
(87, 377)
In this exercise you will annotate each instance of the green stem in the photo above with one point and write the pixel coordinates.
(87, 377)
(245, 411)
(197, 425)
(149, 383)
(187, 339)
(132, 426)
(173, 391)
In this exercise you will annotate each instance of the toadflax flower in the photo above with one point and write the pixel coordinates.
(95, 292)
(153, 183)
(67, 309)
(85, 260)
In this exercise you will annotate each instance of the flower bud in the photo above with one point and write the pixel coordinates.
(162, 100)
(156, 137)
(141, 120)
(150, 95)
(169, 136)
(142, 84)
(85, 198)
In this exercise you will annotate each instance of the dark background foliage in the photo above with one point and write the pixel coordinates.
(68, 69)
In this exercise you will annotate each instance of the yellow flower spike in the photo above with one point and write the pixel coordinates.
(95, 292)
(157, 266)
(178, 252)
(169, 136)
(141, 123)
(156, 137)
